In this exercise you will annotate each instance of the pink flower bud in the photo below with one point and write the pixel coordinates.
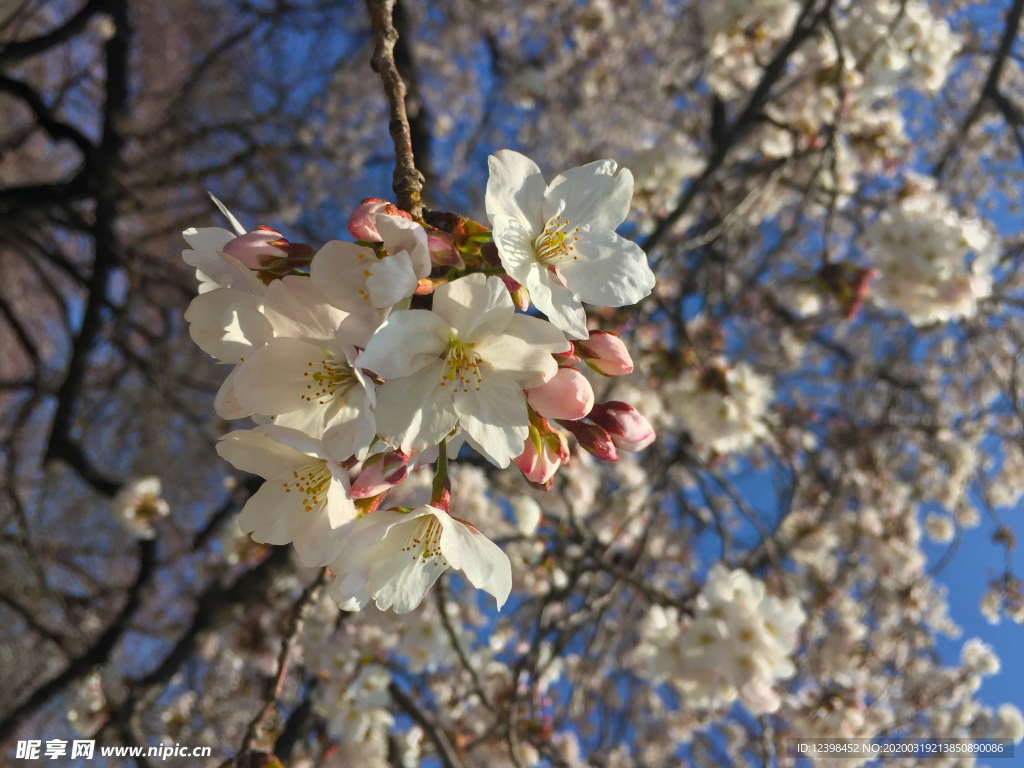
(379, 473)
(520, 296)
(544, 451)
(442, 249)
(569, 358)
(362, 224)
(567, 395)
(537, 467)
(257, 248)
(606, 353)
(628, 428)
(593, 439)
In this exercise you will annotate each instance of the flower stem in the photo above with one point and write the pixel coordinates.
(439, 492)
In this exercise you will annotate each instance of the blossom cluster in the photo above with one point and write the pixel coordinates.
(722, 406)
(933, 264)
(361, 361)
(842, 115)
(736, 645)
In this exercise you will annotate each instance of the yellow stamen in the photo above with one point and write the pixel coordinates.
(331, 379)
(557, 243)
(462, 367)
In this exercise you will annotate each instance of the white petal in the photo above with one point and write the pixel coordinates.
(250, 450)
(495, 417)
(276, 378)
(227, 323)
(279, 514)
(483, 562)
(356, 329)
(309, 421)
(272, 515)
(297, 309)
(294, 438)
(515, 188)
(392, 280)
(538, 333)
(215, 269)
(226, 403)
(560, 305)
(401, 234)
(351, 429)
(339, 270)
(232, 219)
(415, 413)
(593, 194)
(612, 271)
(514, 242)
(475, 306)
(524, 350)
(405, 589)
(206, 239)
(318, 542)
(408, 341)
(374, 562)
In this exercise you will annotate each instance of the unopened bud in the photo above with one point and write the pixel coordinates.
(594, 439)
(362, 224)
(566, 395)
(538, 462)
(544, 451)
(442, 249)
(606, 353)
(628, 428)
(258, 248)
(520, 296)
(569, 358)
(379, 473)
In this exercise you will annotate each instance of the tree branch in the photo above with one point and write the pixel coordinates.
(104, 231)
(257, 725)
(727, 136)
(990, 90)
(407, 181)
(96, 655)
(445, 750)
(19, 50)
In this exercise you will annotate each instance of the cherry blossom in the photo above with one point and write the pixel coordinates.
(462, 365)
(559, 239)
(393, 557)
(305, 499)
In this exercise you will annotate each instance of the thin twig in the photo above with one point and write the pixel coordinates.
(441, 596)
(291, 632)
(445, 750)
(407, 181)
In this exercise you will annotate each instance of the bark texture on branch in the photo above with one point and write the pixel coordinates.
(407, 181)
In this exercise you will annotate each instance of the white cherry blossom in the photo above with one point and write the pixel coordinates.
(139, 504)
(304, 500)
(394, 556)
(559, 239)
(463, 364)
(354, 279)
(225, 319)
(934, 265)
(303, 376)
